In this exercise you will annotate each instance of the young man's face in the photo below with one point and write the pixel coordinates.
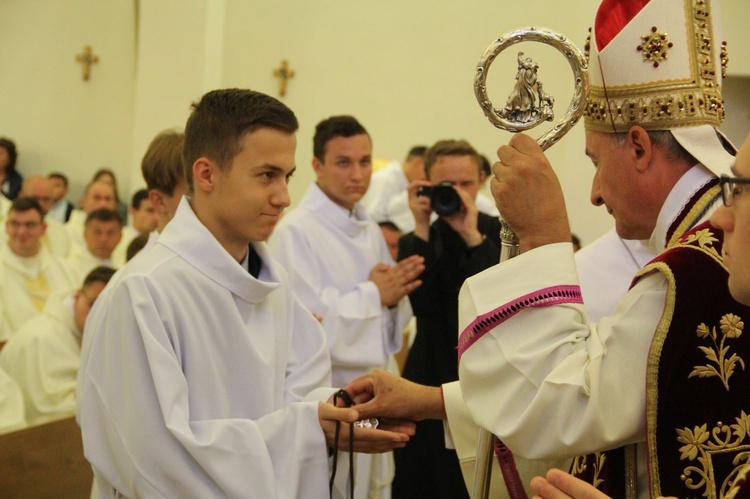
(59, 189)
(144, 217)
(251, 195)
(84, 300)
(735, 222)
(99, 195)
(25, 230)
(461, 171)
(102, 237)
(391, 240)
(344, 173)
(615, 186)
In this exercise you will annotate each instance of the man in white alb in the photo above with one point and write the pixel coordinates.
(340, 267)
(28, 271)
(101, 235)
(202, 375)
(44, 354)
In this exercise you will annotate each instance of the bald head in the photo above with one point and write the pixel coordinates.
(39, 188)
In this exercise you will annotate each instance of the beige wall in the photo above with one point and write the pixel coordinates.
(405, 69)
(58, 121)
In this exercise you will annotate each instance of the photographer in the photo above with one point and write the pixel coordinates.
(459, 244)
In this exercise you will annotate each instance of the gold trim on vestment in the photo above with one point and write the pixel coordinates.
(652, 369)
(689, 220)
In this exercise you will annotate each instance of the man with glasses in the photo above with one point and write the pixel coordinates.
(44, 354)
(28, 271)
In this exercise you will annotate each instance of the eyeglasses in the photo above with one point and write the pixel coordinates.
(14, 224)
(731, 187)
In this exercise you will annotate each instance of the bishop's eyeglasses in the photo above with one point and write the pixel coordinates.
(731, 187)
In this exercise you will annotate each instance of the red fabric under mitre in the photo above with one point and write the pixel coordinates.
(612, 16)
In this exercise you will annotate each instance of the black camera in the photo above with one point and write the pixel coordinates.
(443, 198)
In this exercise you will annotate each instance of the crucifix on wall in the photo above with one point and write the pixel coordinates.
(87, 58)
(283, 73)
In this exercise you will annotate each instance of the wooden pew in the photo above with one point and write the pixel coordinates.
(45, 461)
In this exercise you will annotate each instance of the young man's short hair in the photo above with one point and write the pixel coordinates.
(450, 148)
(335, 126)
(58, 176)
(222, 118)
(103, 215)
(416, 152)
(139, 196)
(20, 205)
(162, 166)
(102, 273)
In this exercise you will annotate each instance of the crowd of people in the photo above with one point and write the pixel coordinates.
(212, 363)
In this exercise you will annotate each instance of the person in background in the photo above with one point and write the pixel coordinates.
(10, 179)
(391, 234)
(391, 181)
(107, 176)
(61, 206)
(28, 271)
(101, 234)
(44, 354)
(143, 221)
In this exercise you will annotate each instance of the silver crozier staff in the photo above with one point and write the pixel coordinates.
(527, 106)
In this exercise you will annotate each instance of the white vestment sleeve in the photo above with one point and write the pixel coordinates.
(147, 436)
(546, 382)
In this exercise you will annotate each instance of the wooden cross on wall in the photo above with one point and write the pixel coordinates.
(283, 73)
(87, 58)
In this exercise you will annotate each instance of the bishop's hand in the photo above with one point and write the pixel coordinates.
(528, 194)
(381, 394)
(391, 434)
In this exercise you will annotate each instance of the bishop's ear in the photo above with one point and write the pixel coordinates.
(640, 147)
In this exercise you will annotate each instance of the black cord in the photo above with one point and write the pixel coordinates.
(344, 396)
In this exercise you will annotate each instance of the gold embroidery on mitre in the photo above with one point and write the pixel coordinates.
(668, 103)
(701, 444)
(654, 47)
(719, 365)
(724, 59)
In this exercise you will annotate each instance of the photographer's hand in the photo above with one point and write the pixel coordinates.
(466, 220)
(420, 208)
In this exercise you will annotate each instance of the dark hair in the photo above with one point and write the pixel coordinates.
(10, 146)
(664, 140)
(101, 273)
(104, 215)
(60, 176)
(162, 166)
(136, 245)
(139, 196)
(486, 165)
(25, 204)
(387, 224)
(106, 171)
(222, 118)
(450, 148)
(416, 152)
(335, 126)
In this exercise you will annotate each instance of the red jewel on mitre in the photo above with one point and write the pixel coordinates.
(612, 17)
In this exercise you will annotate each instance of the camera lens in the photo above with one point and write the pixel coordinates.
(445, 200)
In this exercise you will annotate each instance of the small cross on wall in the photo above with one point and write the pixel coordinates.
(283, 73)
(87, 58)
